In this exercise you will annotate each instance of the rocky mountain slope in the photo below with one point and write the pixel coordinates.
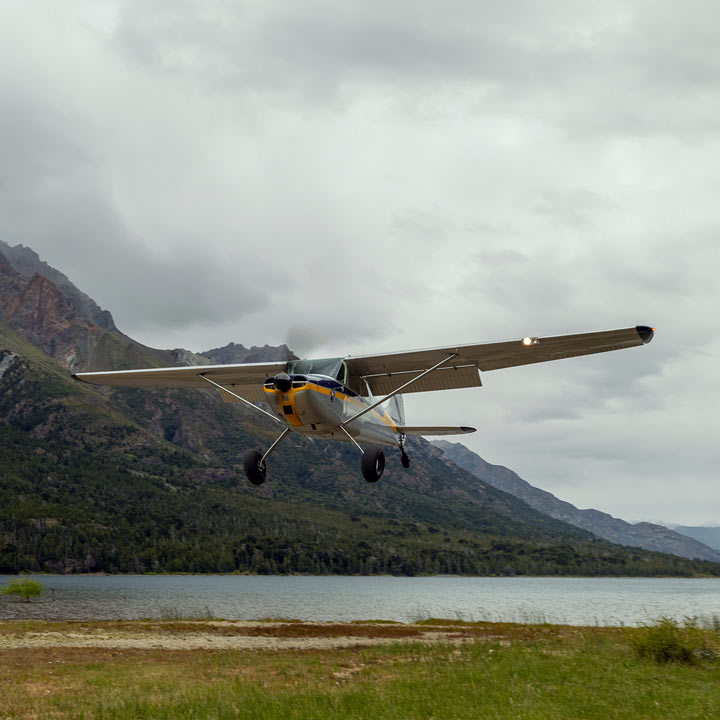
(129, 480)
(27, 263)
(48, 318)
(645, 535)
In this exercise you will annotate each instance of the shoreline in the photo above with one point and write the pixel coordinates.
(378, 575)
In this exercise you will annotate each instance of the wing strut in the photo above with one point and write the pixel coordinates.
(242, 399)
(354, 441)
(398, 390)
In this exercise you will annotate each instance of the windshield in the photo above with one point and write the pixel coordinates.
(331, 367)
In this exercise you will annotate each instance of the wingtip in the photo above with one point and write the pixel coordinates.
(468, 429)
(646, 333)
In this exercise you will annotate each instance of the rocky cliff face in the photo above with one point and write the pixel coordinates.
(27, 264)
(36, 309)
(45, 308)
(644, 535)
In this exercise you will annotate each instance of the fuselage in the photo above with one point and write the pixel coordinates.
(316, 405)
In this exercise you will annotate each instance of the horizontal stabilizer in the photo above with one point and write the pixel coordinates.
(435, 430)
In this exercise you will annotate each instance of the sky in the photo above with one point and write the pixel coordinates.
(364, 176)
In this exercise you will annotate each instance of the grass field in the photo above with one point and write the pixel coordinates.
(294, 670)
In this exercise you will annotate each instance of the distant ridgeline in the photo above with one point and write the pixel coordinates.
(122, 480)
(686, 542)
(708, 535)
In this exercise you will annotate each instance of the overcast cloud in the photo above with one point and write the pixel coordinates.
(365, 176)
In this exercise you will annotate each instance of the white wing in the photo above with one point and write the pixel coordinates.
(385, 373)
(244, 379)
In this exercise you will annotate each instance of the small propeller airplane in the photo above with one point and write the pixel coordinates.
(342, 398)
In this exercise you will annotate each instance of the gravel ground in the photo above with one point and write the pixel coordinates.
(188, 635)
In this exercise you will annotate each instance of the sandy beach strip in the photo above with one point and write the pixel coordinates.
(189, 635)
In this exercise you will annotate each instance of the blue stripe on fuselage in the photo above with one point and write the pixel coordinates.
(330, 384)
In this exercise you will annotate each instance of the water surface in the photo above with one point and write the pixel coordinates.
(576, 601)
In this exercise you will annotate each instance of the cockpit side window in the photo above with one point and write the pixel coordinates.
(342, 373)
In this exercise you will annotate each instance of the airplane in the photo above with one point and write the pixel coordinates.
(342, 398)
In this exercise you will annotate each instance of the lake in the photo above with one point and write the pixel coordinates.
(575, 601)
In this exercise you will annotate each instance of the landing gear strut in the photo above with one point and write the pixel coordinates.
(404, 459)
(254, 462)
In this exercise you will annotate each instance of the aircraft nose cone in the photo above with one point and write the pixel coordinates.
(283, 382)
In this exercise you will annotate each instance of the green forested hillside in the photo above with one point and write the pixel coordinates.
(138, 481)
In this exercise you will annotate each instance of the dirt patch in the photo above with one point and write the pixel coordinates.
(223, 635)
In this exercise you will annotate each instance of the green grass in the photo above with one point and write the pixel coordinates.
(668, 640)
(497, 671)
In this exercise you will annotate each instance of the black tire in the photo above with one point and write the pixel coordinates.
(373, 463)
(405, 460)
(254, 467)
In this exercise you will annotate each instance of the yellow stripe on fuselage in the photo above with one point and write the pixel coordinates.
(386, 418)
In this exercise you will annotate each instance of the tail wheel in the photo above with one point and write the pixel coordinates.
(404, 459)
(373, 463)
(254, 467)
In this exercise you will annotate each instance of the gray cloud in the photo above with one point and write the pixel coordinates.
(55, 201)
(615, 66)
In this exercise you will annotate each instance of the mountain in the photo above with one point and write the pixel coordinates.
(236, 353)
(48, 318)
(708, 535)
(643, 534)
(27, 264)
(127, 480)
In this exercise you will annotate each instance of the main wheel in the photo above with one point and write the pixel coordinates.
(254, 467)
(373, 463)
